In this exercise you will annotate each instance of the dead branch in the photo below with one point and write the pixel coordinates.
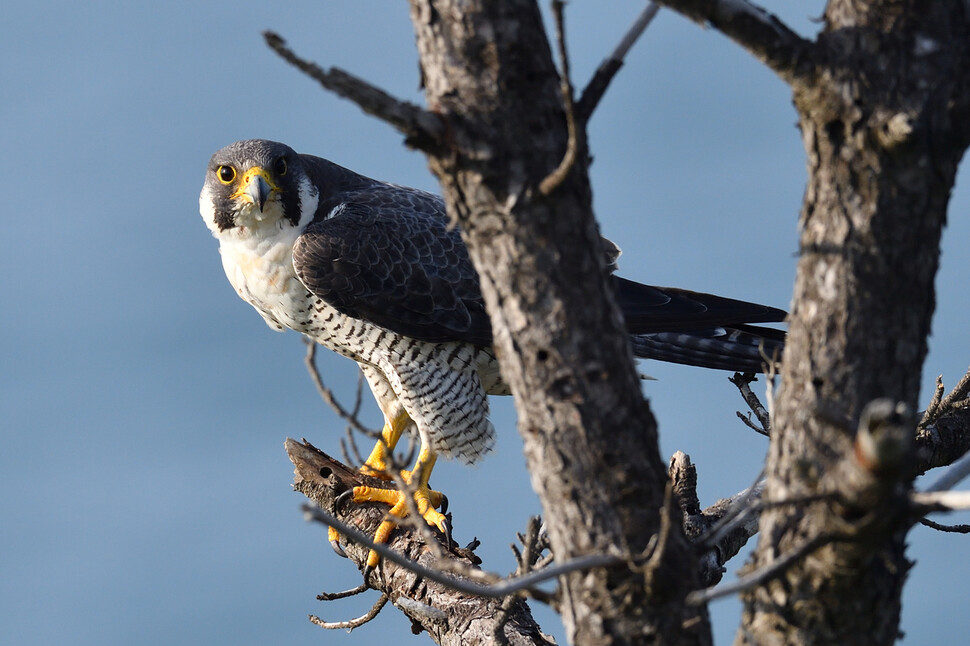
(439, 574)
(943, 433)
(953, 475)
(469, 617)
(762, 575)
(349, 416)
(558, 176)
(743, 383)
(956, 529)
(720, 530)
(762, 34)
(352, 623)
(940, 406)
(604, 74)
(422, 128)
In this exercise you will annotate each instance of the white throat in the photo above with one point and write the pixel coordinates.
(257, 254)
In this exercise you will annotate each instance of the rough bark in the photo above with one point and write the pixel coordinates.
(452, 618)
(590, 438)
(883, 114)
(883, 97)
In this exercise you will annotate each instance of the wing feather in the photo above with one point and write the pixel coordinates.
(389, 257)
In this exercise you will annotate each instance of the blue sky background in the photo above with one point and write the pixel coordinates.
(145, 491)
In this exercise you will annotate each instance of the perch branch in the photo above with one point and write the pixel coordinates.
(502, 588)
(471, 617)
(423, 129)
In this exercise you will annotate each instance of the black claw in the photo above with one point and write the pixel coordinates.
(342, 498)
(338, 549)
(367, 570)
(444, 504)
(447, 523)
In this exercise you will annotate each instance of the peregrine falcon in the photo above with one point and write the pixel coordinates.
(374, 272)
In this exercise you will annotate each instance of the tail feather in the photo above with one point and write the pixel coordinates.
(699, 329)
(719, 348)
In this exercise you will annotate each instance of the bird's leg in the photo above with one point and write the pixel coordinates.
(376, 463)
(426, 501)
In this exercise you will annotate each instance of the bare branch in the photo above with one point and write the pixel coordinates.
(759, 32)
(423, 129)
(596, 87)
(943, 433)
(956, 529)
(471, 617)
(701, 526)
(498, 590)
(333, 596)
(930, 414)
(762, 575)
(558, 176)
(352, 623)
(940, 406)
(740, 510)
(743, 383)
(327, 395)
(746, 420)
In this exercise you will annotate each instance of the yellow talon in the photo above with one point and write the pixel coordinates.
(426, 500)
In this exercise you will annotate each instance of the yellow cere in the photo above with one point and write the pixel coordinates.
(248, 177)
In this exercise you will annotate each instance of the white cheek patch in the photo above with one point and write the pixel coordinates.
(309, 200)
(207, 209)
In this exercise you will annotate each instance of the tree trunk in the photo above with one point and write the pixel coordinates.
(883, 97)
(883, 114)
(590, 438)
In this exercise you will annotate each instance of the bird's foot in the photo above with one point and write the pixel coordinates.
(425, 500)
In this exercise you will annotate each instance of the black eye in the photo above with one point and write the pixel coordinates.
(279, 167)
(226, 174)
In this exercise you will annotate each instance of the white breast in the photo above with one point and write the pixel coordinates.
(262, 274)
(257, 255)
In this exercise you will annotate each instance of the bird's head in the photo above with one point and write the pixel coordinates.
(256, 186)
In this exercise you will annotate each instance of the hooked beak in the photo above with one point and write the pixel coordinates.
(258, 190)
(257, 186)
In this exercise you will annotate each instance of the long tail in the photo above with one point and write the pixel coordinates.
(741, 349)
(698, 329)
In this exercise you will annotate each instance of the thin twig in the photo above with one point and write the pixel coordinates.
(327, 395)
(956, 529)
(737, 511)
(352, 623)
(555, 179)
(502, 588)
(353, 592)
(747, 422)
(601, 80)
(930, 415)
(940, 406)
(762, 575)
(743, 383)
